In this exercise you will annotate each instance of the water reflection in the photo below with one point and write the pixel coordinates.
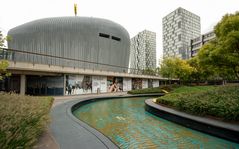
(126, 123)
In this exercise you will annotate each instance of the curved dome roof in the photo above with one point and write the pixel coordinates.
(83, 38)
(73, 22)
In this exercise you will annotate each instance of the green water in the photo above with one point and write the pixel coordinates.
(126, 123)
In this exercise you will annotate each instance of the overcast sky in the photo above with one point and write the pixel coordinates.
(134, 15)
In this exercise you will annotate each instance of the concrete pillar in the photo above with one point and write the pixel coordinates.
(64, 84)
(23, 84)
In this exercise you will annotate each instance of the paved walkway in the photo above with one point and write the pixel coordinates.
(65, 131)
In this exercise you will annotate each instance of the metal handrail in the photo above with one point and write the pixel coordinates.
(7, 55)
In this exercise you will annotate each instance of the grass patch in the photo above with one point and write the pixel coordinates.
(221, 102)
(23, 119)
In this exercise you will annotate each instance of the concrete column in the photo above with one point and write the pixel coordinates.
(64, 84)
(23, 84)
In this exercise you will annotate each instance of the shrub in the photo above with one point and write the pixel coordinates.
(172, 98)
(153, 90)
(222, 102)
(23, 118)
(146, 91)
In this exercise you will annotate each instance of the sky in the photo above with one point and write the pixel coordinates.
(134, 15)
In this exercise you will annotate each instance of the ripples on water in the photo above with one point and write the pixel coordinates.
(126, 123)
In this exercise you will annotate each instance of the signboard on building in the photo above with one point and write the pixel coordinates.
(78, 84)
(127, 84)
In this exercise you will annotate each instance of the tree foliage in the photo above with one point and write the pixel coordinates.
(149, 71)
(222, 54)
(199, 73)
(167, 68)
(176, 68)
(2, 40)
(3, 63)
(3, 69)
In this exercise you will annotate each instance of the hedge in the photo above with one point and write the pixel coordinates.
(219, 102)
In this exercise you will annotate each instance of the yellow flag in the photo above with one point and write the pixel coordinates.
(75, 9)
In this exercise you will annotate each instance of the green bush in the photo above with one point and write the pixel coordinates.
(172, 98)
(146, 91)
(153, 90)
(222, 102)
(192, 89)
(23, 118)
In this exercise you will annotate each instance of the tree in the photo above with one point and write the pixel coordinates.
(157, 71)
(3, 63)
(167, 68)
(2, 40)
(223, 54)
(149, 71)
(3, 69)
(201, 72)
(176, 68)
(183, 70)
(227, 50)
(213, 63)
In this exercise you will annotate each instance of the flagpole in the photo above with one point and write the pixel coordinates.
(75, 9)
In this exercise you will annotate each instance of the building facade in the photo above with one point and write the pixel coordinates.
(85, 39)
(198, 42)
(70, 56)
(179, 27)
(143, 51)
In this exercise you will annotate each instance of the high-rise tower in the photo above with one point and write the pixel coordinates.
(143, 51)
(179, 27)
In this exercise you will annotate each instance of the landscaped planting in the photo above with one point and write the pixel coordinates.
(221, 102)
(160, 89)
(22, 119)
(146, 91)
(172, 98)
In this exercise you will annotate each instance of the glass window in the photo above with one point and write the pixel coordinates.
(179, 37)
(179, 24)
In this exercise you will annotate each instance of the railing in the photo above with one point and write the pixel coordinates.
(40, 58)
